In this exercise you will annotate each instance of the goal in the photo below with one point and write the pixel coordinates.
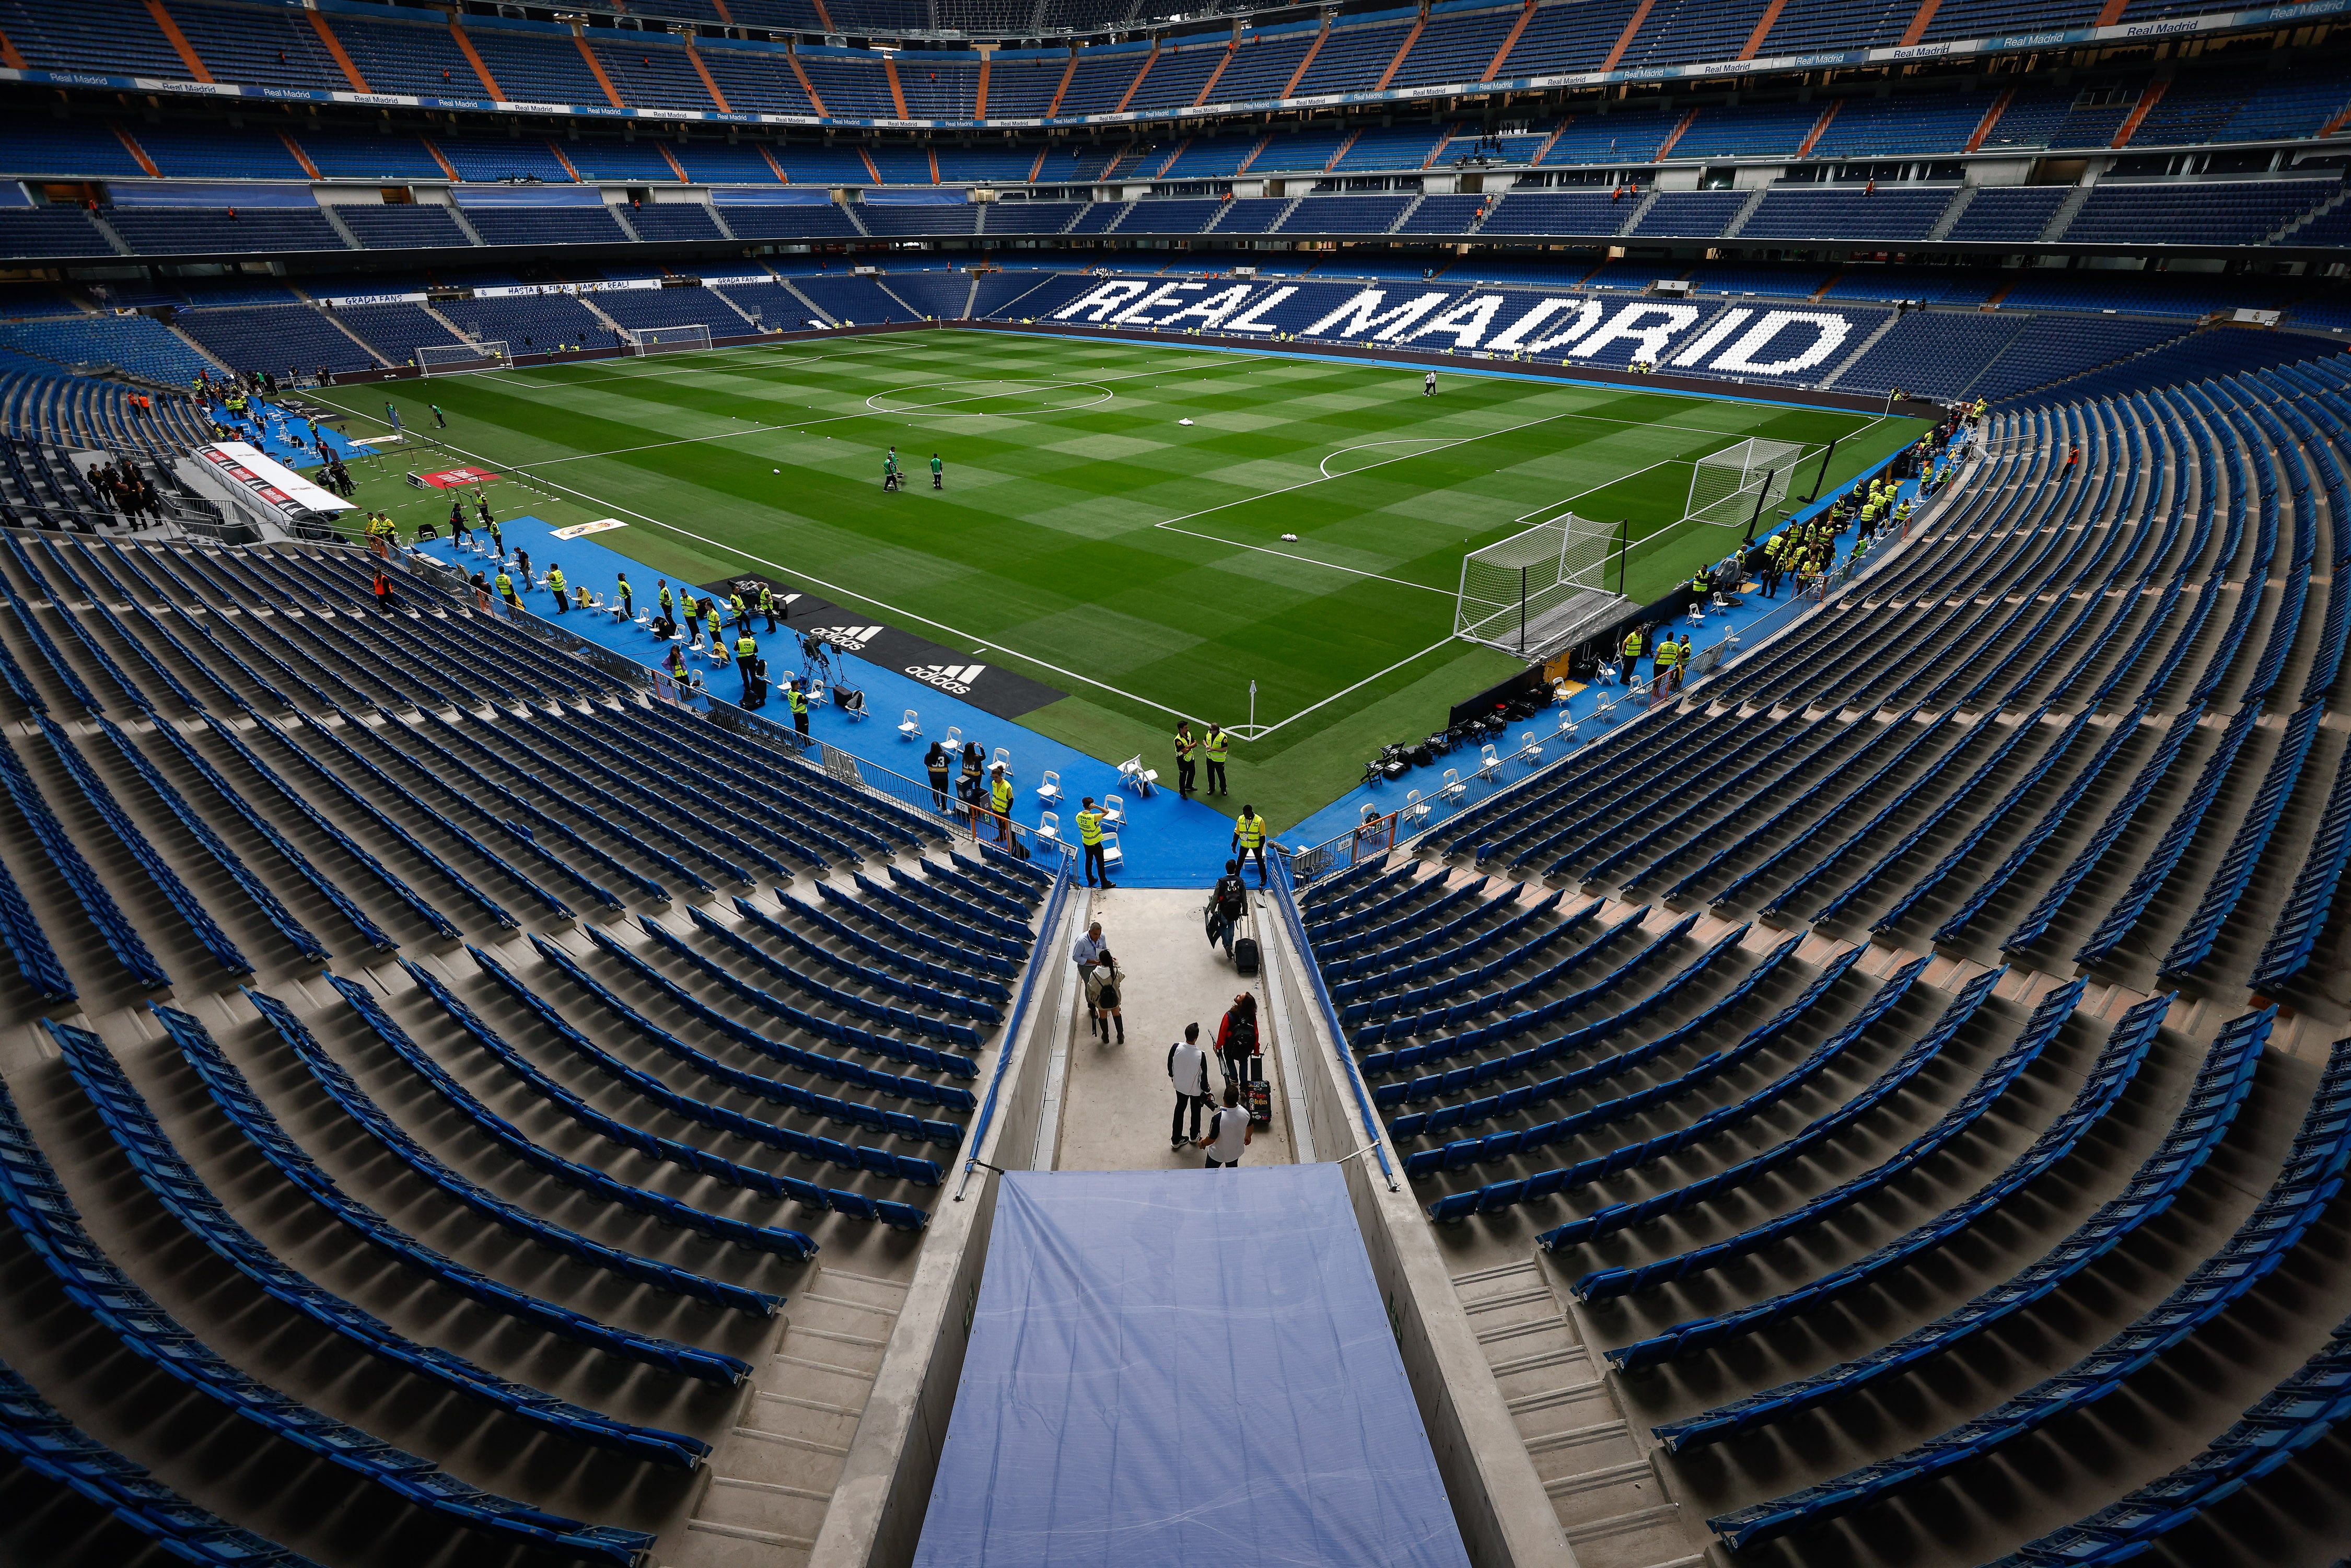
(664, 340)
(1536, 592)
(1734, 486)
(448, 359)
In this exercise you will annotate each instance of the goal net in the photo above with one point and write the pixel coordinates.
(447, 358)
(1535, 592)
(664, 340)
(1730, 488)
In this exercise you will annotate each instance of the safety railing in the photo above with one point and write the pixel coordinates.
(1285, 899)
(1039, 956)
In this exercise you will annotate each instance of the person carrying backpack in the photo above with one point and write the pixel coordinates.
(1228, 902)
(1237, 1039)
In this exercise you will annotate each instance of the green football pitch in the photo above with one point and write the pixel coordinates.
(1114, 514)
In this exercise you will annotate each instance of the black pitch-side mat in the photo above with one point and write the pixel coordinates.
(992, 688)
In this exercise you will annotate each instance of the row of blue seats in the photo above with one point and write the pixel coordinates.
(1526, 1019)
(1702, 1129)
(253, 1117)
(44, 1442)
(2157, 868)
(2305, 1410)
(648, 1087)
(841, 931)
(2299, 1198)
(2222, 1082)
(1428, 1023)
(853, 1036)
(1418, 998)
(1495, 1197)
(956, 940)
(2253, 836)
(2293, 939)
(471, 1195)
(940, 997)
(1559, 1086)
(43, 1215)
(760, 960)
(1370, 972)
(1963, 853)
(1413, 925)
(2151, 774)
(1373, 903)
(2101, 1089)
(903, 1086)
(831, 1107)
(175, 1185)
(1996, 1081)
(671, 1151)
(121, 938)
(939, 892)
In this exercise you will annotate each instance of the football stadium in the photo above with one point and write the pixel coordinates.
(1674, 680)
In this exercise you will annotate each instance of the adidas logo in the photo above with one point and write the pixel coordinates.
(853, 638)
(955, 678)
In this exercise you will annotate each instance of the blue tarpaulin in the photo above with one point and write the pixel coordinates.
(1184, 1369)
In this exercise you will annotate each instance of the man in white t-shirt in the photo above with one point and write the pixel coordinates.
(1228, 1132)
(1187, 1070)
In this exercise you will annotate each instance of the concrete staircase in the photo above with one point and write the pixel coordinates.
(1640, 210)
(772, 1478)
(1746, 211)
(2067, 210)
(1610, 1502)
(1951, 218)
(2280, 234)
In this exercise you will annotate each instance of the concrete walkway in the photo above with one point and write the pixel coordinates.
(1115, 1099)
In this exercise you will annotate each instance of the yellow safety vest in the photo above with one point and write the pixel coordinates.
(505, 585)
(1250, 832)
(745, 647)
(1001, 793)
(1216, 745)
(1633, 645)
(664, 601)
(555, 579)
(1090, 827)
(1185, 747)
(799, 702)
(737, 602)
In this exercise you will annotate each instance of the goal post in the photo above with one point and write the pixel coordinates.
(1734, 486)
(448, 359)
(665, 339)
(1535, 592)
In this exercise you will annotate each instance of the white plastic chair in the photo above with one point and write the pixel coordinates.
(1003, 757)
(1451, 789)
(1489, 761)
(1113, 811)
(1049, 828)
(1530, 746)
(816, 695)
(1137, 777)
(1048, 789)
(1414, 810)
(1114, 858)
(1697, 616)
(953, 741)
(910, 727)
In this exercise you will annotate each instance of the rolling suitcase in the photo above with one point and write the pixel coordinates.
(1245, 950)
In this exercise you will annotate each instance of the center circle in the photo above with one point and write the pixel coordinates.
(983, 398)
